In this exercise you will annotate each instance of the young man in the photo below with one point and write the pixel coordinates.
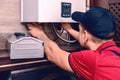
(96, 30)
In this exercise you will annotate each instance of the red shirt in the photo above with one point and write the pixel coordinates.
(100, 64)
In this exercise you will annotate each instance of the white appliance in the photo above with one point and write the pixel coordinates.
(25, 47)
(50, 10)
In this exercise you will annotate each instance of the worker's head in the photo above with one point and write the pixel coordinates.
(98, 22)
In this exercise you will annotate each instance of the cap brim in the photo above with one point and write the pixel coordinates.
(77, 16)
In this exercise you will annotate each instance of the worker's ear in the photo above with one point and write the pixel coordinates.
(86, 36)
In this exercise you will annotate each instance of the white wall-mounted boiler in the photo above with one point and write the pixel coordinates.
(50, 10)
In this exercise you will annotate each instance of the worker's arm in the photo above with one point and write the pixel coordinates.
(70, 30)
(52, 51)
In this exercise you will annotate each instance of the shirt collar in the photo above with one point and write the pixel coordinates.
(106, 45)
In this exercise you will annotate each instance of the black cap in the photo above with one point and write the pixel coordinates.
(98, 21)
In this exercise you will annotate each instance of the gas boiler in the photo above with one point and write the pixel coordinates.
(50, 10)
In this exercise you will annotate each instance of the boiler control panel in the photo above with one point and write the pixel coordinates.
(65, 9)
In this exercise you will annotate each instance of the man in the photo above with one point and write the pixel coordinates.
(96, 30)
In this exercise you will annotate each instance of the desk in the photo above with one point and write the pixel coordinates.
(7, 65)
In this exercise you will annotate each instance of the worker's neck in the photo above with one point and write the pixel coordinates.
(94, 46)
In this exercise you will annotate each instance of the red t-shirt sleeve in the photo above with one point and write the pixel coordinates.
(83, 63)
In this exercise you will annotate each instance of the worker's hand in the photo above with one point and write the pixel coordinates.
(66, 26)
(36, 30)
